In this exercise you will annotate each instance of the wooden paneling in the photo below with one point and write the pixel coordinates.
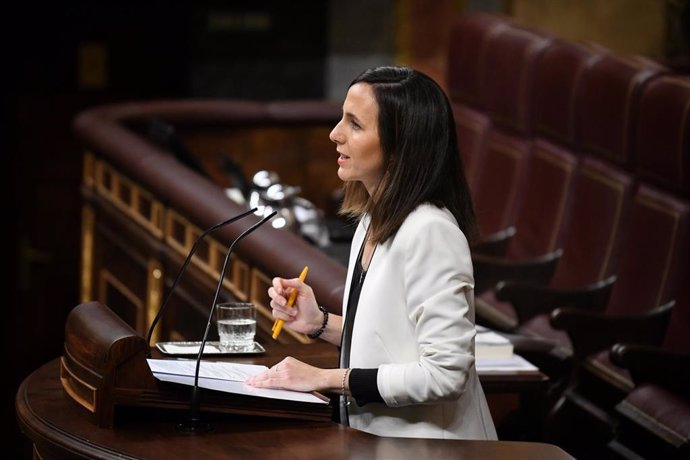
(136, 256)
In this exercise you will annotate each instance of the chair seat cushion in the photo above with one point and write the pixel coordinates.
(659, 411)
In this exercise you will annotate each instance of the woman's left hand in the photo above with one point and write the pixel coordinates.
(290, 374)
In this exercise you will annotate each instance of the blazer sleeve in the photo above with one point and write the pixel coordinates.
(439, 294)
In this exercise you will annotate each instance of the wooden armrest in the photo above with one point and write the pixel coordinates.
(650, 364)
(495, 244)
(530, 300)
(489, 271)
(529, 344)
(590, 331)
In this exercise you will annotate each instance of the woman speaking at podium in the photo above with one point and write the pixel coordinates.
(407, 332)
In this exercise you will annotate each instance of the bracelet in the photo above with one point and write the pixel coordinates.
(342, 382)
(316, 334)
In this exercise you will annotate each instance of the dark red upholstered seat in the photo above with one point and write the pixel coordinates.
(598, 211)
(648, 272)
(471, 126)
(543, 207)
(607, 103)
(662, 134)
(543, 210)
(642, 302)
(512, 57)
(654, 417)
(499, 181)
(557, 79)
(469, 35)
(598, 216)
(658, 234)
(600, 143)
(541, 213)
(656, 424)
(510, 60)
(606, 98)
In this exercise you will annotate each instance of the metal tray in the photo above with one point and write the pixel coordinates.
(211, 348)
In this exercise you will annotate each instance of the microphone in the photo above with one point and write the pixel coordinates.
(194, 424)
(195, 246)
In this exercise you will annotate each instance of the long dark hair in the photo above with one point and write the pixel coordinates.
(420, 151)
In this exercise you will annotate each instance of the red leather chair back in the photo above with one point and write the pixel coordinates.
(500, 181)
(471, 127)
(662, 134)
(545, 201)
(601, 200)
(606, 100)
(677, 337)
(511, 57)
(556, 79)
(469, 34)
(654, 250)
(662, 149)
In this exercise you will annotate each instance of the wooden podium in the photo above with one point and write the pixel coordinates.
(121, 410)
(59, 430)
(104, 367)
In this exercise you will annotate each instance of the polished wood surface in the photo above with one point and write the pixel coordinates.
(61, 428)
(104, 368)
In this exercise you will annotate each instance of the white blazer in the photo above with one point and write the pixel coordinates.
(415, 323)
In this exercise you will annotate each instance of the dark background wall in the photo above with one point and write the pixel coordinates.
(43, 87)
(61, 57)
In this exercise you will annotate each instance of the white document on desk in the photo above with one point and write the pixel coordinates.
(223, 376)
(514, 364)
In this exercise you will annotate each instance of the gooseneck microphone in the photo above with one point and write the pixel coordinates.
(195, 246)
(193, 423)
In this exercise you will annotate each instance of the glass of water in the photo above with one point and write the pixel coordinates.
(236, 326)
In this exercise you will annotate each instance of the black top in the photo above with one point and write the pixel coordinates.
(363, 387)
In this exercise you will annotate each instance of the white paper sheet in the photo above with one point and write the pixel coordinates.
(515, 363)
(210, 369)
(223, 376)
(490, 337)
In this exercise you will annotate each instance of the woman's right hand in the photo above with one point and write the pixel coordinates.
(304, 316)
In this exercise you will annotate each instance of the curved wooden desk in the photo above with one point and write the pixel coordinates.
(59, 429)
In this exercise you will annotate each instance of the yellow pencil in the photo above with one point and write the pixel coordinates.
(278, 324)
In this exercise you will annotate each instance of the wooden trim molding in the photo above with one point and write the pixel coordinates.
(87, 228)
(154, 295)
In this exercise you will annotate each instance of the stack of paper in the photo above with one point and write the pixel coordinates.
(494, 354)
(514, 364)
(490, 345)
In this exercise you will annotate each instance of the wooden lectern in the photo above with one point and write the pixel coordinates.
(104, 366)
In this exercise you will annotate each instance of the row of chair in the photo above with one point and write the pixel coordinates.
(579, 163)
